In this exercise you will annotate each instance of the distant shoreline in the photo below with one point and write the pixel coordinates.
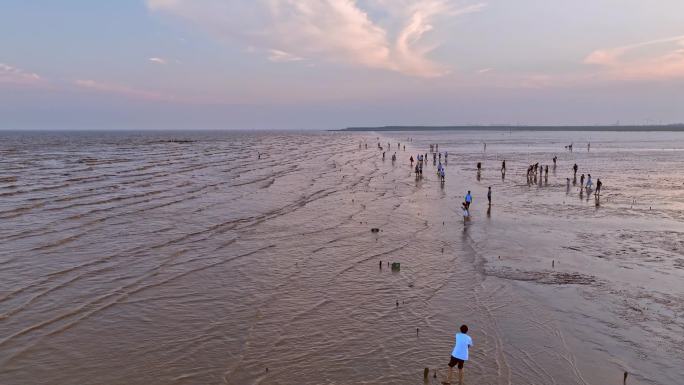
(671, 127)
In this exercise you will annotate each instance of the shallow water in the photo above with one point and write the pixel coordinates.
(182, 258)
(609, 267)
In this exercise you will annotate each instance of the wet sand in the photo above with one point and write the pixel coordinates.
(608, 269)
(171, 258)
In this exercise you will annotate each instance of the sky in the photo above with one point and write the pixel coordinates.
(329, 64)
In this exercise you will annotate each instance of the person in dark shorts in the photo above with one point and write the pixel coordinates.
(453, 361)
(460, 354)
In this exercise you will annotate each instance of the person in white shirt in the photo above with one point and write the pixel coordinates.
(460, 353)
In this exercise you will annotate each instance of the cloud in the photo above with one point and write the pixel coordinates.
(282, 56)
(157, 60)
(124, 90)
(13, 75)
(650, 60)
(326, 30)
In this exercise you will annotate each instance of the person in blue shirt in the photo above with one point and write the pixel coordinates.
(460, 353)
(468, 200)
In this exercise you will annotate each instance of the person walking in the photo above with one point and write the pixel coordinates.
(460, 354)
(489, 195)
(468, 200)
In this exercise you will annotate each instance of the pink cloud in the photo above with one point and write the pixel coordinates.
(650, 60)
(326, 30)
(282, 56)
(13, 75)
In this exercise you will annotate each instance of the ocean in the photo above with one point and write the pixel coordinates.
(219, 257)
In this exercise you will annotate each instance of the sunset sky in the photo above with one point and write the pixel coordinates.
(326, 64)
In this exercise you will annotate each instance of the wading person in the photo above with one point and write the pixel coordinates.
(590, 184)
(460, 354)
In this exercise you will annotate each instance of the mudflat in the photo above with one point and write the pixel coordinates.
(247, 258)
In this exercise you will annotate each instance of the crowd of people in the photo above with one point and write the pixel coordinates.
(588, 186)
(421, 160)
(534, 172)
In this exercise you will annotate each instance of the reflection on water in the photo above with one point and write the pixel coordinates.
(609, 264)
(245, 258)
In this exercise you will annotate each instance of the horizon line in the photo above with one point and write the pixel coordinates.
(676, 127)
